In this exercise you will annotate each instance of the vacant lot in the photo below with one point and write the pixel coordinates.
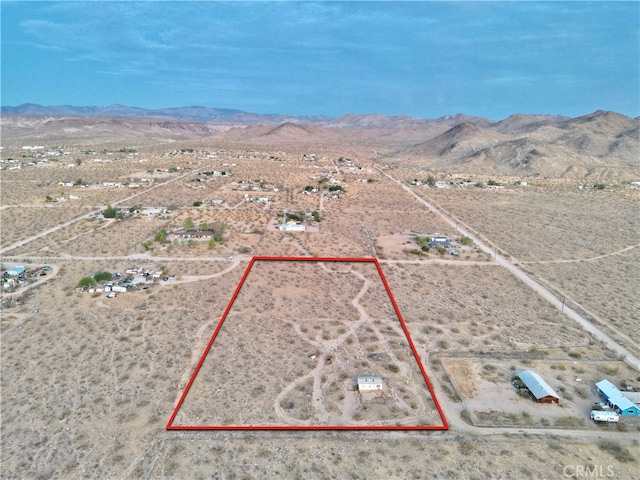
(583, 244)
(288, 356)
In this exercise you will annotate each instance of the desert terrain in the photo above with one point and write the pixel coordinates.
(539, 272)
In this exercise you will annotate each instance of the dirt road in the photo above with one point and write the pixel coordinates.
(540, 289)
(89, 215)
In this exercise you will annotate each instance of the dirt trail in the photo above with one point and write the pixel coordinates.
(590, 259)
(326, 347)
(540, 289)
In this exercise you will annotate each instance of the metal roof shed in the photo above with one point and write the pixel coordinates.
(540, 389)
(622, 404)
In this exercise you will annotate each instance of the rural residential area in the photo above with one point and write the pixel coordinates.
(319, 240)
(457, 299)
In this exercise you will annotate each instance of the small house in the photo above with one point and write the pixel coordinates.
(292, 227)
(616, 399)
(369, 383)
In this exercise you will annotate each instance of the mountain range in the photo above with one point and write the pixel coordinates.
(602, 144)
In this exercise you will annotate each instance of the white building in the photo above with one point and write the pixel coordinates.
(369, 382)
(292, 227)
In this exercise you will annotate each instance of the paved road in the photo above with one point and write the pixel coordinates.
(543, 291)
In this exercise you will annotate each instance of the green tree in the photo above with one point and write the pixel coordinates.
(211, 244)
(431, 181)
(197, 203)
(466, 241)
(204, 226)
(110, 212)
(161, 235)
(102, 276)
(316, 215)
(423, 242)
(218, 229)
(188, 224)
(86, 282)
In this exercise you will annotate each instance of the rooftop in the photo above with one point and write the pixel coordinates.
(614, 395)
(536, 385)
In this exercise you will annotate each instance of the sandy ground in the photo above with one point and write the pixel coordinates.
(88, 383)
(288, 356)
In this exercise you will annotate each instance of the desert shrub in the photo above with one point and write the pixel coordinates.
(466, 447)
(197, 203)
(616, 450)
(392, 367)
(466, 240)
(609, 369)
(570, 422)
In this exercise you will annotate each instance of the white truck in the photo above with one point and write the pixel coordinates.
(604, 416)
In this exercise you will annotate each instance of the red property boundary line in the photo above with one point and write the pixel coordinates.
(444, 426)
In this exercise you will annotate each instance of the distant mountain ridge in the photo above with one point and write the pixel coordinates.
(228, 117)
(218, 116)
(602, 144)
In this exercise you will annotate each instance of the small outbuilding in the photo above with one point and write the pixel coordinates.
(616, 399)
(539, 389)
(369, 383)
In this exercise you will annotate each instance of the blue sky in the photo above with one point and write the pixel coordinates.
(424, 59)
